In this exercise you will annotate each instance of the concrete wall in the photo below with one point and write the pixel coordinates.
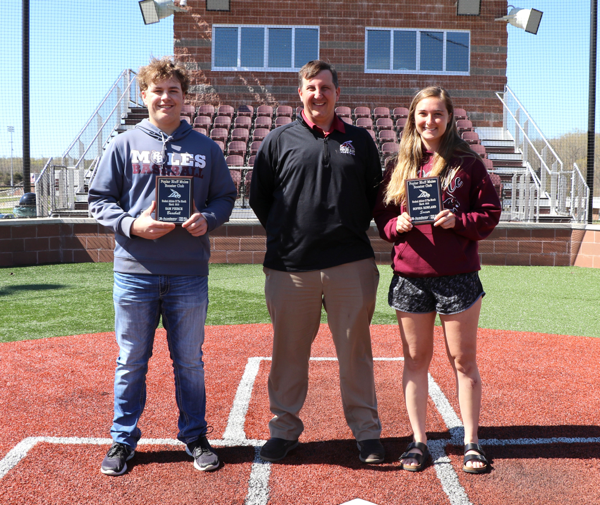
(42, 241)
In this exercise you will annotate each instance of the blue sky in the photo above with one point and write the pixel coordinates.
(71, 70)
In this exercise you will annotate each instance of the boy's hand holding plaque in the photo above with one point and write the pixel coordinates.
(423, 199)
(174, 199)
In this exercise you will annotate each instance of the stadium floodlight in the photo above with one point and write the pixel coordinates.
(525, 19)
(155, 10)
(468, 7)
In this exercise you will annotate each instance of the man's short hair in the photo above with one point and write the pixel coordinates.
(312, 68)
(161, 69)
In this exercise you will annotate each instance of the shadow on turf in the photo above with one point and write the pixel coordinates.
(145, 455)
(9, 290)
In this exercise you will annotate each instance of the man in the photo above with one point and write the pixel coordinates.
(160, 268)
(313, 189)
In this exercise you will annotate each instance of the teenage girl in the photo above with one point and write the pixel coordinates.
(436, 265)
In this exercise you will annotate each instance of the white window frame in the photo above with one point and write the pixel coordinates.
(391, 70)
(265, 68)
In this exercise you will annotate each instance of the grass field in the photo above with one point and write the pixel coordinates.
(57, 300)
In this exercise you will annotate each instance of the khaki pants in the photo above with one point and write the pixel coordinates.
(294, 301)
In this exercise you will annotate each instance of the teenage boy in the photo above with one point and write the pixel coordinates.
(160, 269)
(313, 189)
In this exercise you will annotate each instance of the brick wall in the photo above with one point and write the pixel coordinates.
(342, 42)
(42, 241)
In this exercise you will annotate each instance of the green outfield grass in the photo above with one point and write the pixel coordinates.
(56, 300)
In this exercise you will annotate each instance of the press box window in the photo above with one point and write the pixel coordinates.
(267, 48)
(417, 51)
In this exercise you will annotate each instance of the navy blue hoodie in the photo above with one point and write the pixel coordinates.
(124, 187)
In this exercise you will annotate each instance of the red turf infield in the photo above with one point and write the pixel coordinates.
(536, 386)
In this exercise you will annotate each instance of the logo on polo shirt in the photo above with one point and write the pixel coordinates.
(347, 148)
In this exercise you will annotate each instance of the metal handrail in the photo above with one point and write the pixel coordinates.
(510, 91)
(106, 97)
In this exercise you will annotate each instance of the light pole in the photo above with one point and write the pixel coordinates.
(11, 130)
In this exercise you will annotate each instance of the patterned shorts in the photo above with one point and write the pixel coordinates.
(447, 295)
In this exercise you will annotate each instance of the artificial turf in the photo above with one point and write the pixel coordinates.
(71, 299)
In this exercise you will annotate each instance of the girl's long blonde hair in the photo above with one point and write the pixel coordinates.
(412, 152)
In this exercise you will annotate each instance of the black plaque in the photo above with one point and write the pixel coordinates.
(174, 199)
(424, 199)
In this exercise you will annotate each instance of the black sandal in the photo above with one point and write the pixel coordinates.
(475, 457)
(422, 459)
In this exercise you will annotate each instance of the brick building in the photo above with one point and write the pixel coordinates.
(384, 51)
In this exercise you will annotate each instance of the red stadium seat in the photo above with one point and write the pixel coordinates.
(226, 110)
(284, 110)
(263, 122)
(188, 110)
(343, 112)
(203, 122)
(364, 122)
(384, 123)
(381, 112)
(400, 124)
(236, 176)
(464, 125)
(221, 144)
(254, 146)
(243, 122)
(206, 110)
(237, 147)
(460, 114)
(282, 120)
(471, 137)
(362, 112)
(389, 148)
(200, 130)
(186, 119)
(251, 159)
(387, 136)
(489, 165)
(234, 160)
(222, 122)
(347, 119)
(260, 133)
(479, 149)
(400, 112)
(264, 110)
(240, 134)
(220, 134)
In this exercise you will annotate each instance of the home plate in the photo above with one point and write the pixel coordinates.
(358, 501)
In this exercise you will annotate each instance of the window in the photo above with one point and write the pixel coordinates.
(417, 51)
(274, 48)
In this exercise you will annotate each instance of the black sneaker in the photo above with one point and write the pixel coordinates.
(114, 463)
(204, 457)
(371, 451)
(277, 448)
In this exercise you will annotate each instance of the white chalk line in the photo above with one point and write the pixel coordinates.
(258, 482)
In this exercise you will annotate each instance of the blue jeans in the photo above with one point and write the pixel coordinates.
(139, 301)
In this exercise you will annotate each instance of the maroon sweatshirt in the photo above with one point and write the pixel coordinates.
(428, 251)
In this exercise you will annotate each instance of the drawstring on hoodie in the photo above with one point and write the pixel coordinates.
(164, 138)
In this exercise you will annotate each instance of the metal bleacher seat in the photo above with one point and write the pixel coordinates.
(240, 134)
(362, 112)
(400, 112)
(381, 112)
